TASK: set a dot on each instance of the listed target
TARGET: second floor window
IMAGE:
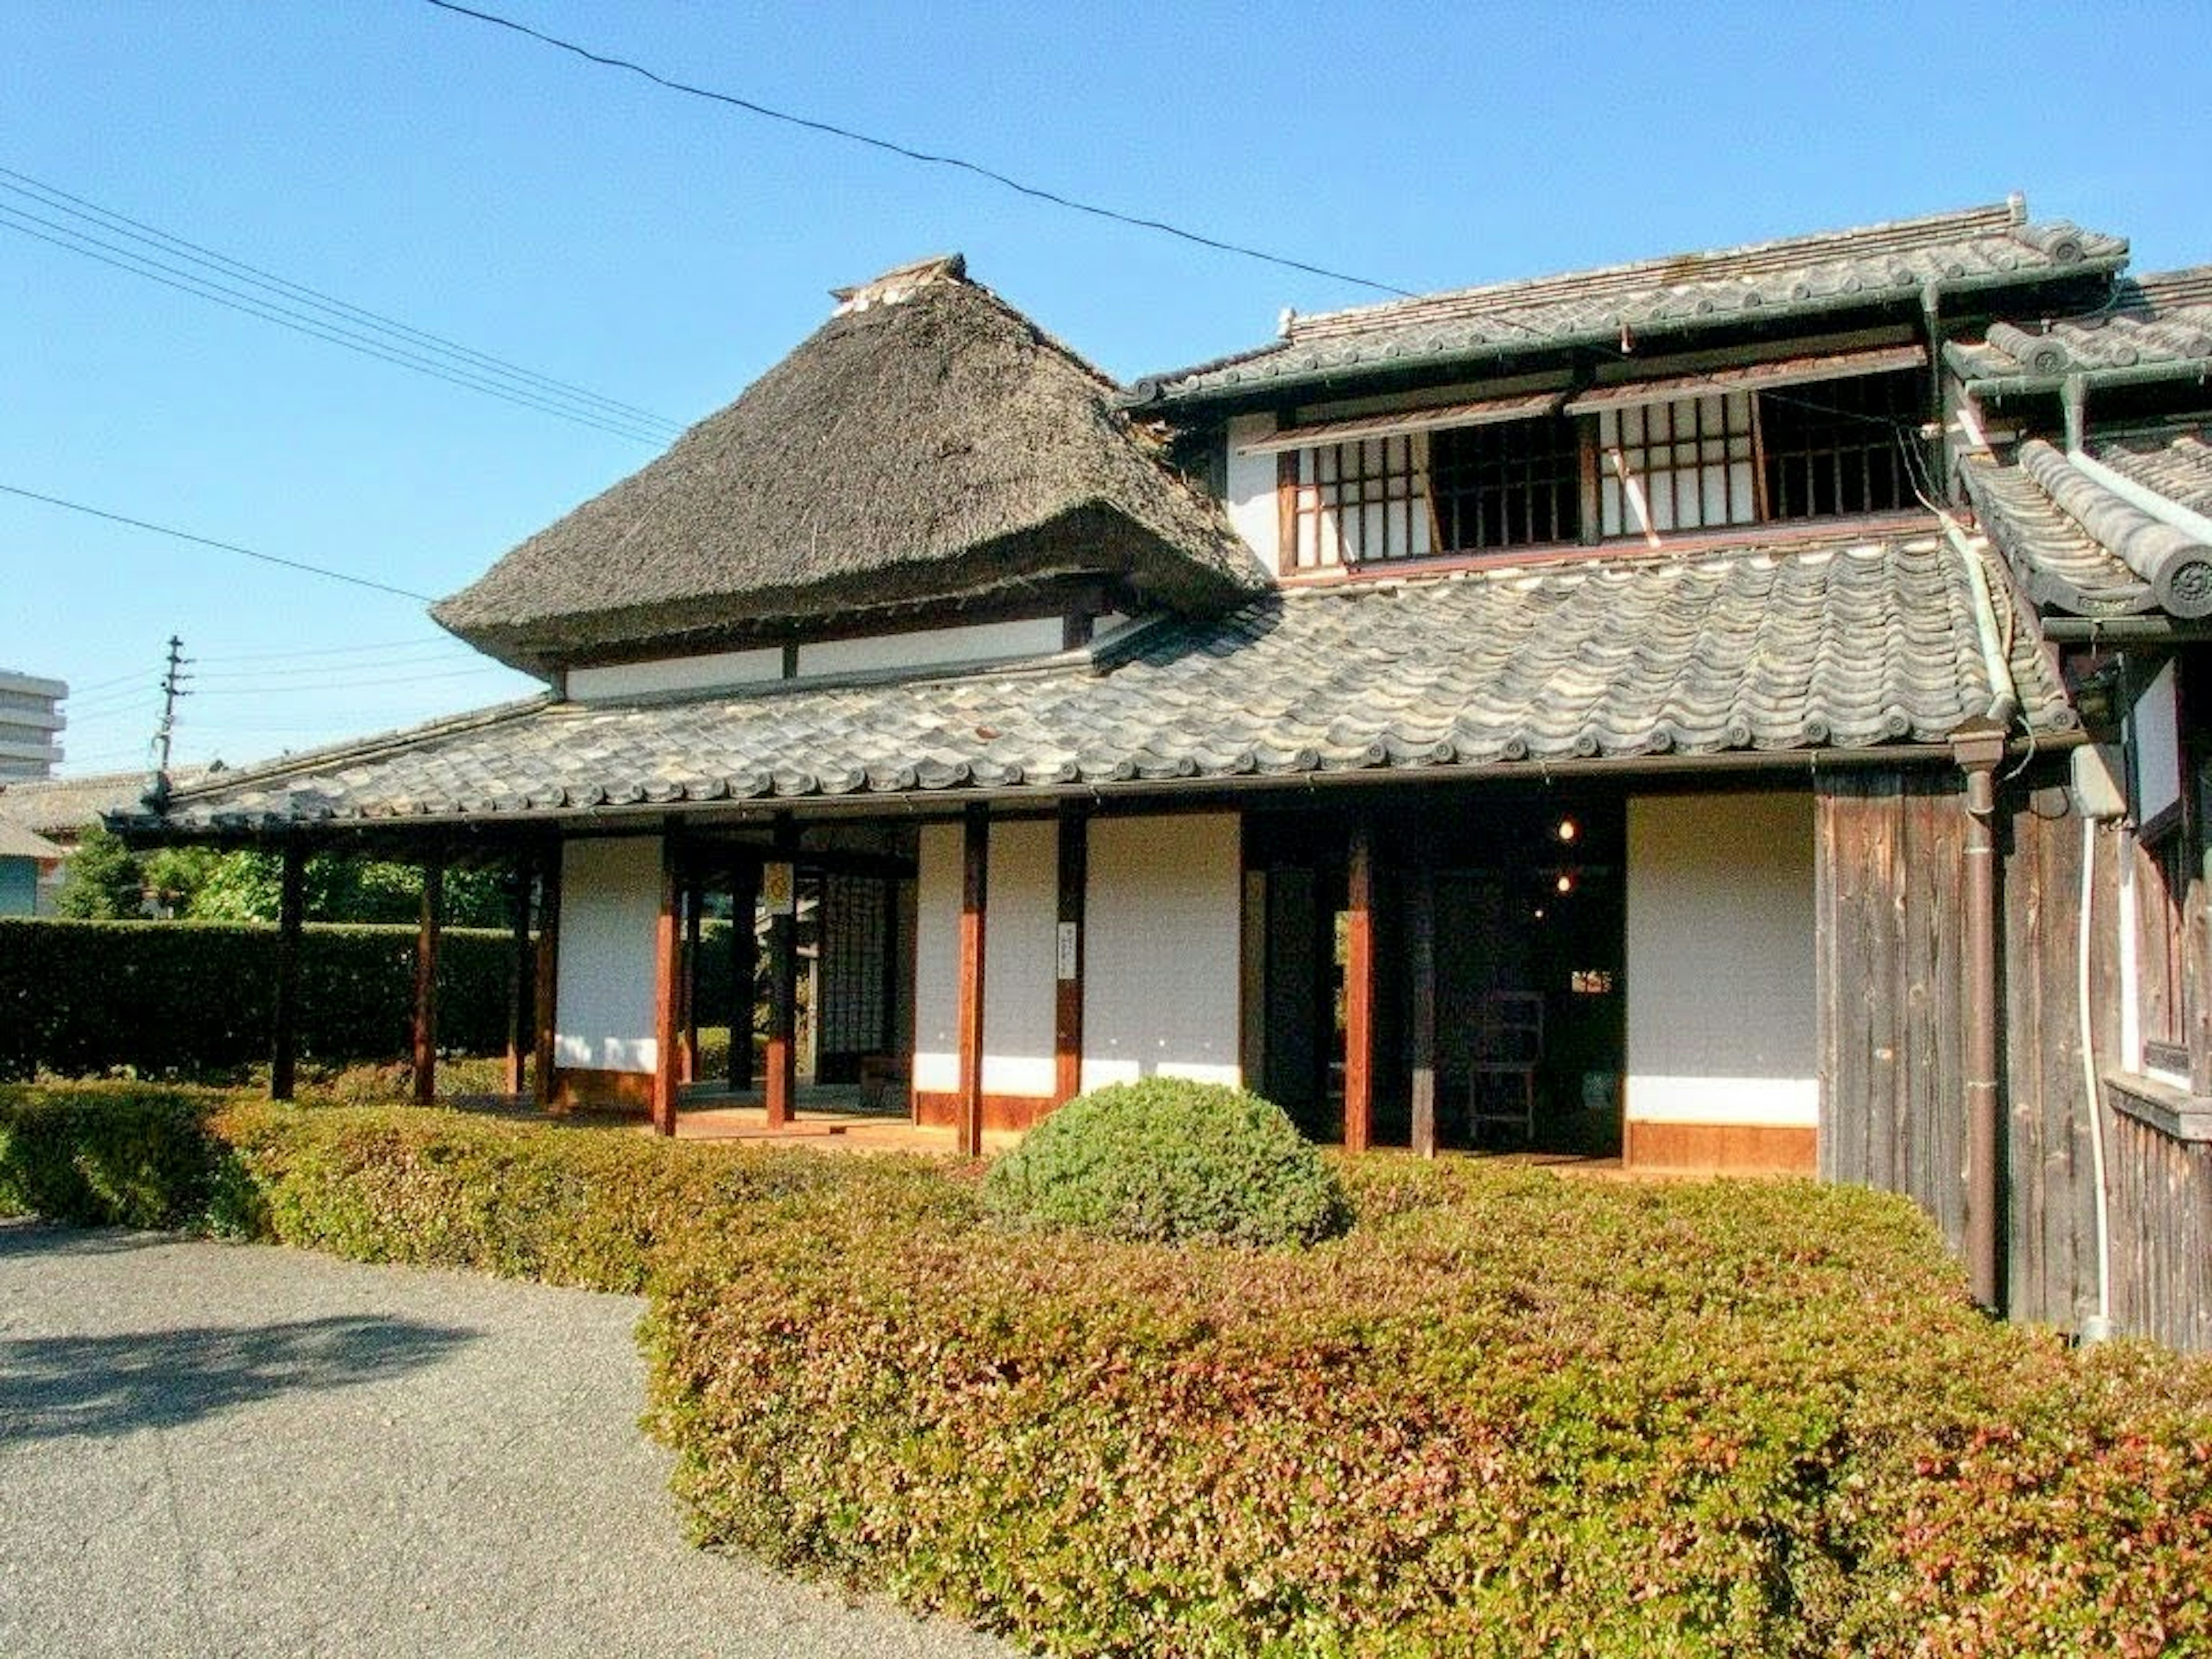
(1687, 465)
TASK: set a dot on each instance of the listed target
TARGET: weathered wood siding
(1889, 853)
(2052, 1196)
(1889, 863)
(2161, 1219)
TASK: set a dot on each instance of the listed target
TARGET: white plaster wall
(1037, 636)
(1721, 975)
(700, 673)
(609, 908)
(936, 961)
(1018, 988)
(1251, 489)
(1163, 909)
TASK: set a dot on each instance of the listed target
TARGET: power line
(215, 293)
(441, 641)
(208, 541)
(957, 163)
(79, 207)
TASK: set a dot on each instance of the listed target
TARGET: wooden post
(1359, 992)
(1067, 1005)
(744, 963)
(426, 980)
(284, 1036)
(1421, 954)
(974, 900)
(687, 983)
(525, 987)
(548, 979)
(780, 885)
(667, 991)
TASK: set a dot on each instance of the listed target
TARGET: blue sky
(663, 251)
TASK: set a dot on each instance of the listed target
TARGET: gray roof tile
(1754, 647)
(1974, 247)
(2077, 546)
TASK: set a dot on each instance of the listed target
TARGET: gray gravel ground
(213, 1448)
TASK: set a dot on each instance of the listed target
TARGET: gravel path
(228, 1449)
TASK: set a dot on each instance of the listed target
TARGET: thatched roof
(927, 447)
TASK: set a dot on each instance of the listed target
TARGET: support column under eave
(548, 979)
(284, 1033)
(744, 964)
(667, 992)
(1359, 992)
(780, 883)
(525, 985)
(687, 983)
(974, 900)
(1068, 998)
(1978, 751)
(1421, 962)
(426, 980)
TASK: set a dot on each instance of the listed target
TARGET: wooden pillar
(780, 886)
(426, 980)
(667, 991)
(1359, 992)
(549, 980)
(687, 983)
(975, 899)
(744, 963)
(1421, 964)
(1068, 1003)
(525, 987)
(284, 1034)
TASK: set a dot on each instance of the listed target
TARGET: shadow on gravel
(109, 1385)
(23, 1236)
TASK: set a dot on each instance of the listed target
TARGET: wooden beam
(1359, 992)
(1421, 962)
(667, 991)
(284, 1035)
(687, 983)
(974, 901)
(426, 981)
(525, 980)
(780, 885)
(1067, 972)
(744, 964)
(548, 979)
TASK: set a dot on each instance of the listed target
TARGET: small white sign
(778, 891)
(1067, 931)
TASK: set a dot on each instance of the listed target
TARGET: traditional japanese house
(1580, 714)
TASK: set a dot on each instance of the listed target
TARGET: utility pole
(172, 687)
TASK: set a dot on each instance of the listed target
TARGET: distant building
(30, 725)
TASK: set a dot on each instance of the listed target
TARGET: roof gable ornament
(901, 283)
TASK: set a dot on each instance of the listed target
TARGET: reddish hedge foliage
(1509, 1414)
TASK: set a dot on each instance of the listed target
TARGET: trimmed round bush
(1167, 1160)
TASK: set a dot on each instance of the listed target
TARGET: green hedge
(1167, 1159)
(1507, 1413)
(181, 999)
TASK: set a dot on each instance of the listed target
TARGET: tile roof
(2096, 539)
(1751, 647)
(62, 807)
(2178, 339)
(18, 842)
(1975, 248)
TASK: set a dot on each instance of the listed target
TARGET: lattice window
(1511, 484)
(1687, 465)
(1837, 446)
(1356, 503)
(857, 919)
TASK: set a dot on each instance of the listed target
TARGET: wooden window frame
(1807, 447)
